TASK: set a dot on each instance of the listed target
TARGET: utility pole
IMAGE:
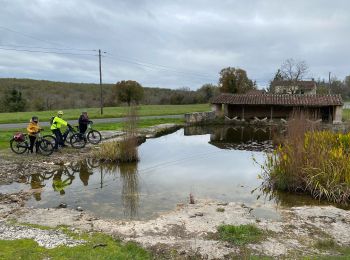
(329, 82)
(101, 97)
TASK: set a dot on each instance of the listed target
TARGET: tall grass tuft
(124, 150)
(312, 161)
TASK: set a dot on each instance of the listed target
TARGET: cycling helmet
(35, 119)
(60, 113)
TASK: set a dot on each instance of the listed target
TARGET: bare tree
(292, 70)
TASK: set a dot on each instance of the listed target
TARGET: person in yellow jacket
(33, 129)
(56, 125)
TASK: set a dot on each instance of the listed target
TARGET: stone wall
(199, 117)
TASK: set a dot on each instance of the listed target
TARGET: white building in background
(289, 87)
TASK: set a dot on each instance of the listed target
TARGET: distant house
(245, 107)
(304, 87)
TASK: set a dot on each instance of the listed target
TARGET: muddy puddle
(210, 163)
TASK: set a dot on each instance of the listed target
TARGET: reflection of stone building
(247, 138)
(290, 87)
(271, 106)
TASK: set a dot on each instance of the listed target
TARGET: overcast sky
(172, 43)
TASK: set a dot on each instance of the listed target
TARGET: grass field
(346, 114)
(109, 112)
(6, 134)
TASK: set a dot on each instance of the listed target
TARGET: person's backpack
(51, 120)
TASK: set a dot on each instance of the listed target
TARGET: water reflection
(211, 163)
(63, 177)
(248, 138)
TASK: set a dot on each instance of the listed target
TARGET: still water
(210, 163)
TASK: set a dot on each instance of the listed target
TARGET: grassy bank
(109, 112)
(6, 134)
(346, 114)
(109, 249)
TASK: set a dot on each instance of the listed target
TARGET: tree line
(37, 95)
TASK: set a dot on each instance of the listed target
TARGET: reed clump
(312, 161)
(125, 150)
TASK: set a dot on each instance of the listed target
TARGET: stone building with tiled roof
(303, 87)
(276, 106)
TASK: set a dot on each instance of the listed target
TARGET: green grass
(346, 114)
(6, 134)
(109, 112)
(239, 235)
(326, 244)
(111, 249)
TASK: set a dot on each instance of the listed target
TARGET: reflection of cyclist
(84, 173)
(58, 184)
(83, 122)
(35, 184)
(56, 125)
(33, 129)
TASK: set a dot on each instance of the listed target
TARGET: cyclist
(33, 129)
(56, 125)
(83, 122)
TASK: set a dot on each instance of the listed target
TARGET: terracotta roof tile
(276, 99)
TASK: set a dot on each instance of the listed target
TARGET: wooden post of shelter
(271, 113)
(243, 113)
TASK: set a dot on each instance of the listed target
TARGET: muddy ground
(189, 230)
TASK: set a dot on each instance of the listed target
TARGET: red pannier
(19, 137)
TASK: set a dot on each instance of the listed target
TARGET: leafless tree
(293, 71)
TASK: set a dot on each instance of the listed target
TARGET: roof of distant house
(305, 84)
(256, 92)
(279, 99)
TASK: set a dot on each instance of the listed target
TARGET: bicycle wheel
(93, 163)
(46, 147)
(18, 147)
(50, 138)
(69, 136)
(77, 141)
(94, 137)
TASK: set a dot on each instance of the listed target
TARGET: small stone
(199, 214)
(62, 205)
(80, 209)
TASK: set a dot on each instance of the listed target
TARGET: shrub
(126, 149)
(311, 161)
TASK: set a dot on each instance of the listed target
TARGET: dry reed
(124, 150)
(311, 161)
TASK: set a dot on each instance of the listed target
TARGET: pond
(217, 163)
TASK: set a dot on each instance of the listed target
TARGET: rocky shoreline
(189, 229)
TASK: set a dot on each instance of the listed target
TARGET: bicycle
(67, 135)
(92, 136)
(20, 144)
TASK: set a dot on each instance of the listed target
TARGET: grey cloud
(196, 39)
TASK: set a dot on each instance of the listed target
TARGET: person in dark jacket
(83, 122)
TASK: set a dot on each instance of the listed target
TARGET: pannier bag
(19, 137)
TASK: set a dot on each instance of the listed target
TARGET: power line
(53, 52)
(44, 48)
(159, 67)
(29, 36)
